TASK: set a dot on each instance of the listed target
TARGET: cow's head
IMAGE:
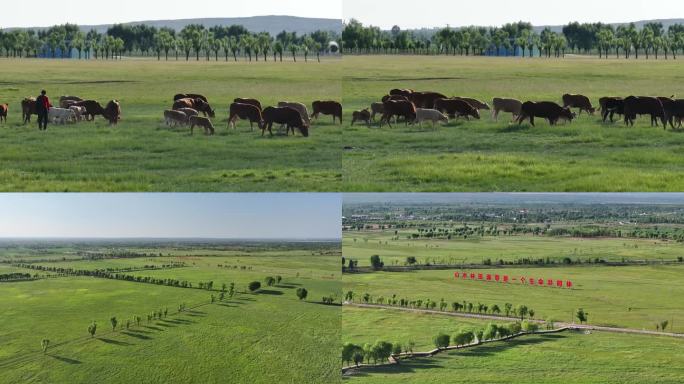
(566, 114)
(591, 110)
(211, 113)
(304, 129)
(475, 113)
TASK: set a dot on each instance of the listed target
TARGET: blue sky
(34, 13)
(244, 215)
(439, 13)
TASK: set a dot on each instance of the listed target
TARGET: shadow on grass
(408, 366)
(515, 128)
(196, 312)
(270, 292)
(246, 299)
(493, 348)
(65, 359)
(115, 342)
(228, 305)
(164, 325)
(178, 321)
(288, 286)
(155, 328)
(137, 336)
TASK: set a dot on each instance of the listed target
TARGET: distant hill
(271, 24)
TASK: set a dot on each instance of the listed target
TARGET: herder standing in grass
(42, 107)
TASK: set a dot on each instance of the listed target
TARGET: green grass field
(231, 340)
(362, 245)
(488, 156)
(568, 357)
(142, 154)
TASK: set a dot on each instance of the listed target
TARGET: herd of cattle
(72, 109)
(417, 107)
(187, 107)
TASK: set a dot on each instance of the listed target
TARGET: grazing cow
(284, 115)
(477, 104)
(578, 101)
(191, 96)
(189, 112)
(456, 108)
(301, 108)
(28, 108)
(93, 108)
(425, 99)
(402, 92)
(78, 111)
(112, 112)
(362, 115)
(68, 101)
(545, 109)
(377, 108)
(172, 117)
(327, 108)
(644, 105)
(394, 97)
(253, 102)
(201, 122)
(423, 114)
(399, 108)
(196, 104)
(674, 109)
(61, 115)
(611, 105)
(3, 112)
(245, 112)
(506, 105)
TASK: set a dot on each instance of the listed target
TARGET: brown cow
(327, 108)
(402, 108)
(201, 122)
(545, 109)
(28, 108)
(644, 105)
(578, 101)
(425, 99)
(506, 105)
(674, 109)
(611, 105)
(284, 115)
(3, 112)
(93, 108)
(394, 97)
(196, 104)
(245, 112)
(402, 92)
(112, 112)
(253, 102)
(68, 101)
(456, 108)
(376, 108)
(362, 115)
(477, 104)
(191, 96)
(189, 112)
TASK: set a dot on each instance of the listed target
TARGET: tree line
(227, 42)
(587, 38)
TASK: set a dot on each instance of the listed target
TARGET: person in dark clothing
(42, 107)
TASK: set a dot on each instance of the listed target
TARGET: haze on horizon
(440, 13)
(286, 216)
(45, 13)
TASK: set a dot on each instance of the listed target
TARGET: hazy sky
(258, 215)
(439, 13)
(34, 13)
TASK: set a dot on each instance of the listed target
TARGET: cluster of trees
(14, 276)
(241, 267)
(226, 41)
(587, 38)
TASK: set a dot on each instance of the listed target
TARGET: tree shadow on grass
(155, 328)
(115, 342)
(246, 299)
(270, 292)
(407, 366)
(493, 348)
(137, 336)
(228, 305)
(196, 312)
(288, 285)
(65, 359)
(164, 325)
(178, 321)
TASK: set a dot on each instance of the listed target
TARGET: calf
(245, 112)
(644, 105)
(327, 108)
(78, 111)
(456, 108)
(201, 122)
(28, 108)
(362, 115)
(301, 108)
(506, 105)
(399, 108)
(189, 112)
(3, 112)
(578, 101)
(174, 118)
(611, 105)
(376, 108)
(284, 115)
(545, 109)
(61, 115)
(433, 115)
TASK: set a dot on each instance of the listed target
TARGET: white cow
(299, 107)
(79, 112)
(423, 114)
(61, 115)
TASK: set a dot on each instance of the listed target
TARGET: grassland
(230, 340)
(142, 154)
(362, 245)
(560, 358)
(484, 155)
